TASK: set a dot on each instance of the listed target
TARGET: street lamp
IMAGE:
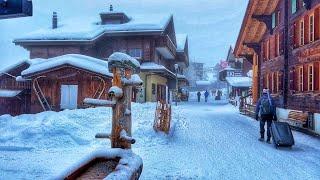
(176, 67)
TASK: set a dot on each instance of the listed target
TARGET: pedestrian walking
(199, 95)
(266, 110)
(206, 95)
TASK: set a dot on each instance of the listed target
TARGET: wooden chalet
(282, 40)
(151, 40)
(53, 84)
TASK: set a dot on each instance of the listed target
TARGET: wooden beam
(255, 46)
(266, 19)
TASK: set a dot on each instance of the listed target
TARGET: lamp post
(176, 67)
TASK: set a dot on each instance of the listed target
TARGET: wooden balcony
(166, 47)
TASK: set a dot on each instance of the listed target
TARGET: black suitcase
(281, 134)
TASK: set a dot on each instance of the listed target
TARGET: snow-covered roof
(6, 93)
(203, 83)
(154, 66)
(181, 41)
(77, 60)
(9, 68)
(77, 30)
(239, 81)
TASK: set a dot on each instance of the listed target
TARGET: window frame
(310, 77)
(133, 51)
(300, 79)
(301, 32)
(311, 28)
(294, 6)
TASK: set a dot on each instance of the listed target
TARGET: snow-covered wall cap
(128, 165)
(123, 60)
(84, 62)
(181, 41)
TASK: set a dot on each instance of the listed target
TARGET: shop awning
(239, 81)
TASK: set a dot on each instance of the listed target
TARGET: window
(310, 77)
(301, 42)
(268, 50)
(311, 28)
(272, 83)
(294, 6)
(277, 45)
(278, 81)
(273, 20)
(136, 53)
(278, 17)
(300, 87)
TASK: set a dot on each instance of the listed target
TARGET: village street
(208, 141)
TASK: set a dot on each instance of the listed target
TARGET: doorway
(69, 97)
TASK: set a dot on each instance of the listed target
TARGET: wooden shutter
(281, 42)
(306, 29)
(305, 77)
(316, 77)
(280, 82)
(317, 24)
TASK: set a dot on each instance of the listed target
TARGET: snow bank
(129, 163)
(123, 58)
(77, 60)
(9, 93)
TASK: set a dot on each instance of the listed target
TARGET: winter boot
(261, 139)
(268, 141)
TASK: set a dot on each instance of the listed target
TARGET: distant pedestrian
(206, 95)
(266, 109)
(199, 95)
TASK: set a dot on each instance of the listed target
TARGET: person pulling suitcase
(266, 109)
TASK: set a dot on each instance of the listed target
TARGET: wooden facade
(18, 104)
(156, 46)
(282, 38)
(89, 86)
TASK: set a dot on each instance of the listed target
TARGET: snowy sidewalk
(210, 141)
(215, 142)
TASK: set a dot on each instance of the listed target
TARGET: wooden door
(69, 97)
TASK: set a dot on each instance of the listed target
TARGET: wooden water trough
(118, 162)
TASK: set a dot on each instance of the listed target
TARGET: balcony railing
(166, 47)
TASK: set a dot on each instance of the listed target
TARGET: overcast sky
(212, 25)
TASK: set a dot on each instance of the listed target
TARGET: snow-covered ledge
(129, 166)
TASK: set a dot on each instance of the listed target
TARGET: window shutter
(281, 42)
(305, 77)
(316, 77)
(317, 24)
(306, 29)
(292, 81)
(280, 82)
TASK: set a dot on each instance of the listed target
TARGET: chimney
(54, 20)
(111, 8)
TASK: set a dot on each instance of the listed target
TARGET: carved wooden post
(122, 67)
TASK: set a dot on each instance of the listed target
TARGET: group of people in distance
(215, 93)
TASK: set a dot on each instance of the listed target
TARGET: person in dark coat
(266, 110)
(206, 95)
(199, 95)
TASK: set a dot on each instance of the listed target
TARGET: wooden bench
(296, 118)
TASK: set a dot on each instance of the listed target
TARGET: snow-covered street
(208, 141)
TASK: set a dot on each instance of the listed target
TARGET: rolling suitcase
(281, 134)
